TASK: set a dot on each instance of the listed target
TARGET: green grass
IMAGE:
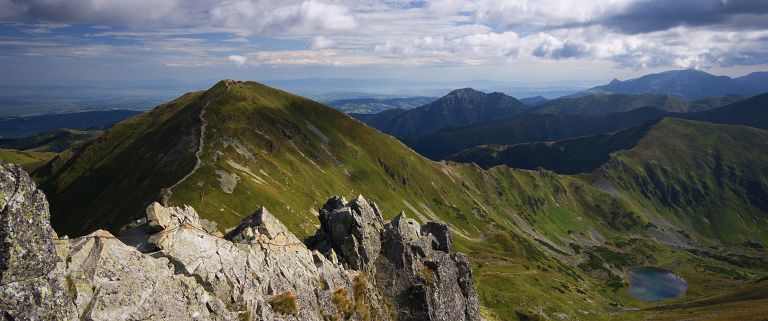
(29, 160)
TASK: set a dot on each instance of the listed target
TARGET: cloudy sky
(537, 41)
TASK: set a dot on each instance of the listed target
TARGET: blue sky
(525, 41)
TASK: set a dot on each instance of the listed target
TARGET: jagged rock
(109, 280)
(256, 262)
(262, 226)
(442, 234)
(420, 278)
(30, 285)
(352, 229)
(165, 218)
(410, 263)
(258, 271)
(161, 220)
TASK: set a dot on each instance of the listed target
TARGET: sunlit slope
(711, 177)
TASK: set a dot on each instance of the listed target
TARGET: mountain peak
(465, 92)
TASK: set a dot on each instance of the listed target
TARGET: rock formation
(411, 264)
(357, 267)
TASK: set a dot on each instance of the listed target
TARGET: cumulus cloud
(321, 42)
(630, 33)
(245, 16)
(238, 60)
(273, 17)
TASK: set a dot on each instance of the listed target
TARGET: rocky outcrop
(258, 271)
(31, 287)
(411, 263)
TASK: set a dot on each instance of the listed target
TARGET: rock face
(258, 271)
(411, 264)
(31, 287)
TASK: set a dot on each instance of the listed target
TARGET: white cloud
(321, 42)
(388, 32)
(238, 60)
(274, 17)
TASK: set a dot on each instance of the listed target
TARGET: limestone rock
(262, 226)
(30, 285)
(161, 218)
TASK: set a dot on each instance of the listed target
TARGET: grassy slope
(289, 154)
(29, 160)
(713, 177)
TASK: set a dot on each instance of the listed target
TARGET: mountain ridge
(686, 84)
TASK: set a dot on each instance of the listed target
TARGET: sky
(518, 41)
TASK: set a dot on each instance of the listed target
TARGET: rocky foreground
(357, 267)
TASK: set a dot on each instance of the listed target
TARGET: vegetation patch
(285, 303)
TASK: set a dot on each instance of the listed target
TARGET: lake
(651, 284)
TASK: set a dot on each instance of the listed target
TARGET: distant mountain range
(460, 107)
(687, 84)
(526, 128)
(377, 105)
(90, 120)
(593, 105)
(587, 153)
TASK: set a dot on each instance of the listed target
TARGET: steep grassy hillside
(460, 107)
(541, 244)
(711, 177)
(594, 105)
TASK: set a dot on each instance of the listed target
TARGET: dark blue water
(649, 284)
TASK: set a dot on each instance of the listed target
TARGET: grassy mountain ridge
(540, 243)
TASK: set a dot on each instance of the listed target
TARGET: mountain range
(459, 107)
(18, 127)
(688, 84)
(377, 105)
(562, 241)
